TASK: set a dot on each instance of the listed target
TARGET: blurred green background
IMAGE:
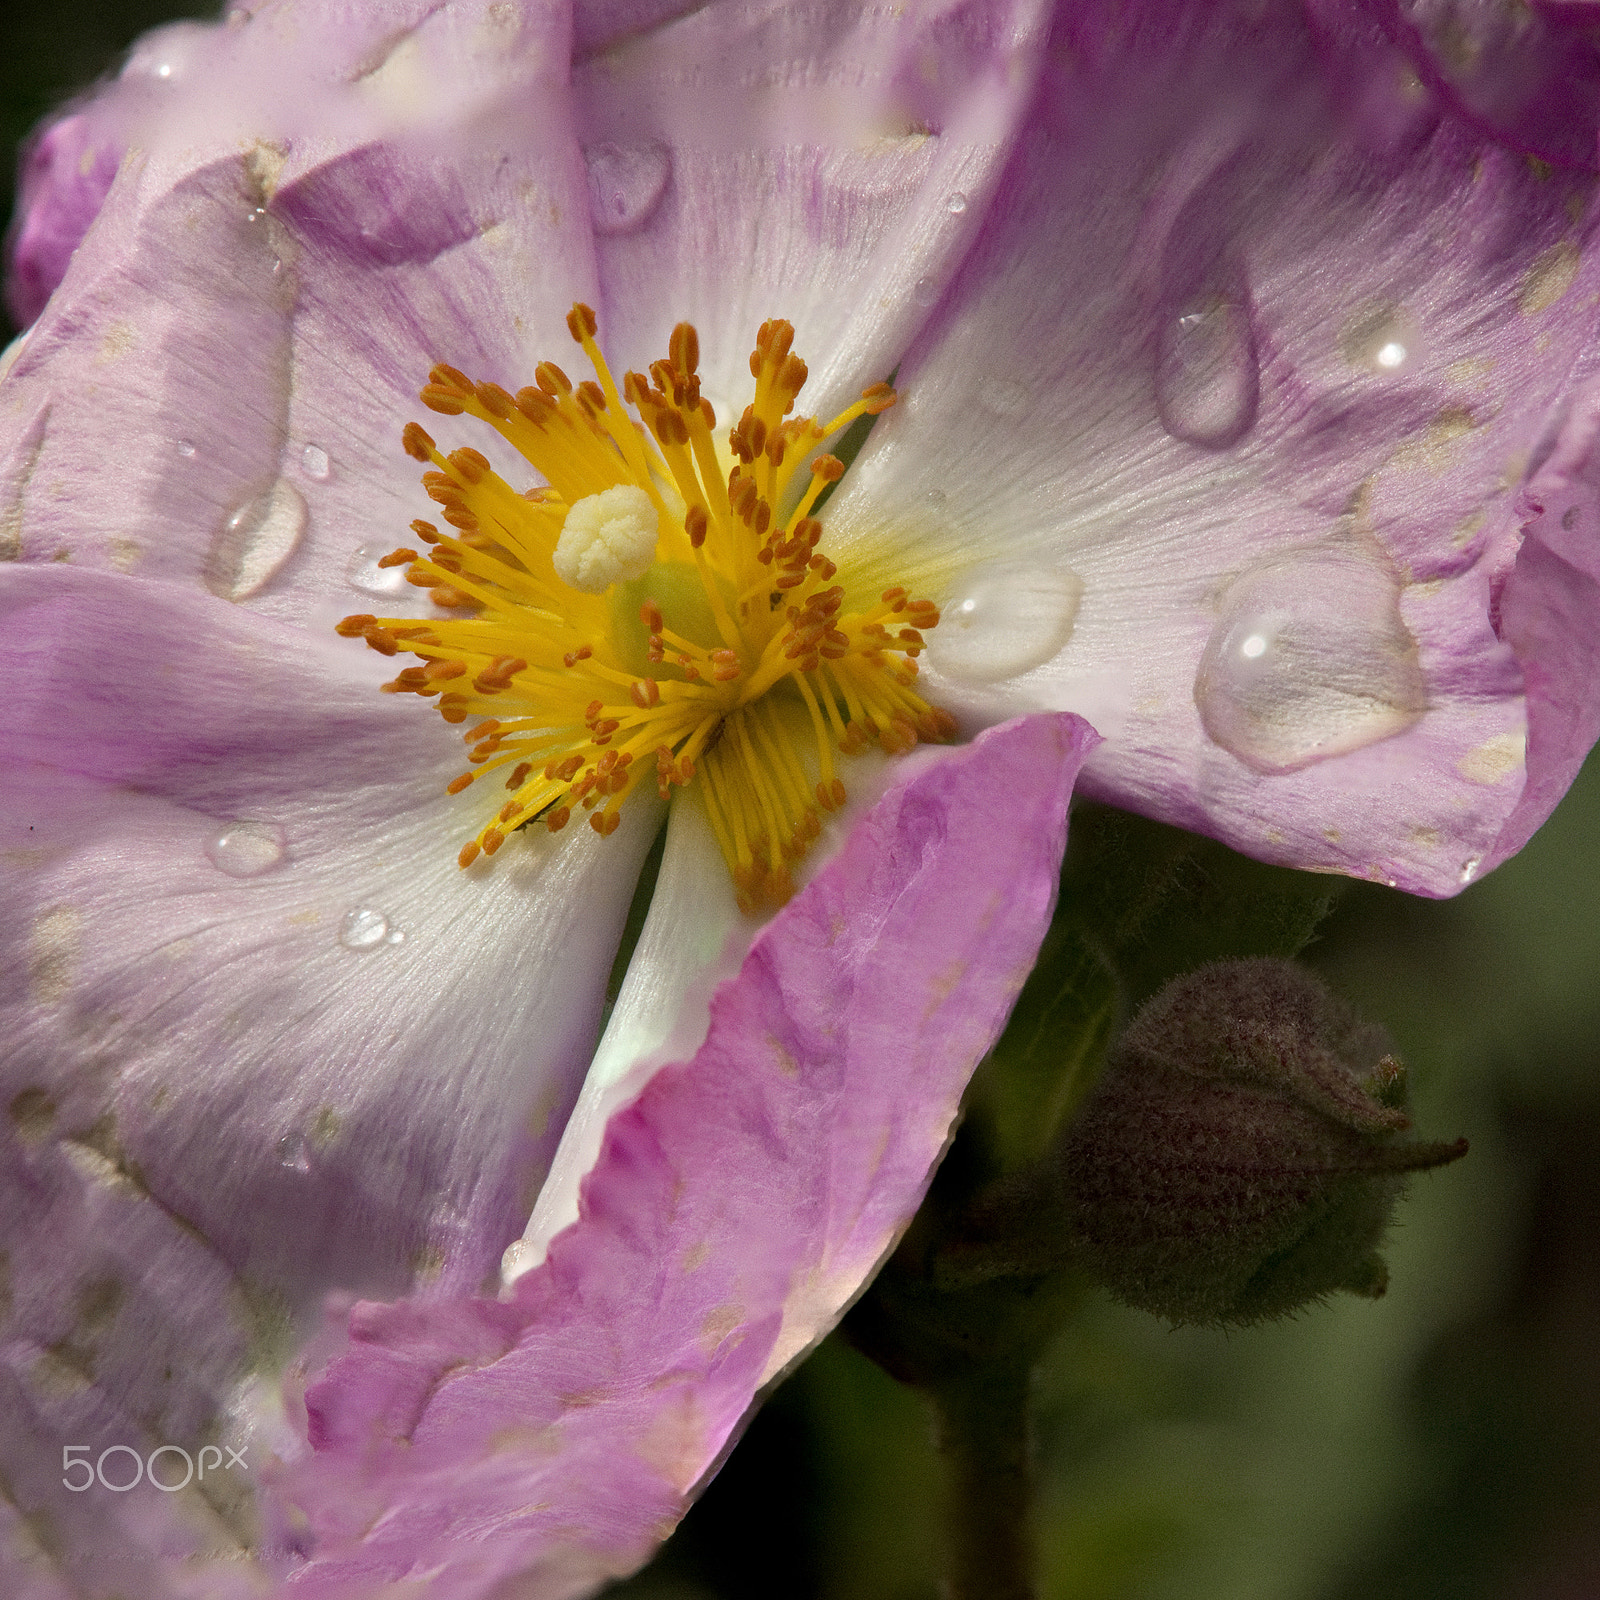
(1439, 1443)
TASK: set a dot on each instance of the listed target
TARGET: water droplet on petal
(254, 541)
(315, 461)
(1380, 338)
(294, 1153)
(363, 929)
(626, 182)
(1309, 659)
(925, 291)
(1469, 868)
(1208, 379)
(956, 204)
(1003, 397)
(246, 849)
(395, 936)
(166, 54)
(363, 572)
(185, 447)
(515, 1260)
(1004, 622)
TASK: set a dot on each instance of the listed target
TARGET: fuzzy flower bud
(1238, 1158)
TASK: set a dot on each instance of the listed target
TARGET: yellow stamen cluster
(727, 663)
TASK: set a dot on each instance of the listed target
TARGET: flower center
(660, 613)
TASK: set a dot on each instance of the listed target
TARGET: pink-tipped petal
(736, 1207)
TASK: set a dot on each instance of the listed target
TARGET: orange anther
(879, 398)
(695, 524)
(456, 785)
(492, 840)
(829, 468)
(397, 558)
(557, 819)
(581, 323)
(551, 379)
(425, 531)
(441, 400)
(495, 400)
(469, 854)
(472, 464)
(650, 616)
(645, 692)
(520, 776)
(418, 444)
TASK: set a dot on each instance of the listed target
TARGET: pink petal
(1391, 315)
(737, 1206)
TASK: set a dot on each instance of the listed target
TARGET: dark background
(1440, 1443)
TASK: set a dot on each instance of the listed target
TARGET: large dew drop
(1003, 622)
(254, 541)
(246, 849)
(626, 182)
(1208, 379)
(1308, 659)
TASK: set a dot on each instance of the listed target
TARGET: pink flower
(1244, 410)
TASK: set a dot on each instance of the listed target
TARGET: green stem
(985, 1439)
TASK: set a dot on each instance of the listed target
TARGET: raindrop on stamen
(1005, 622)
(1309, 658)
(246, 849)
(363, 929)
(315, 461)
(1208, 380)
(626, 183)
(255, 541)
(294, 1153)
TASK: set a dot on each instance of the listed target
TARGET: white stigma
(607, 538)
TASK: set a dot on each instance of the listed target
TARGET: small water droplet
(255, 214)
(255, 541)
(185, 447)
(395, 936)
(1308, 659)
(1003, 397)
(363, 572)
(1380, 338)
(956, 204)
(925, 291)
(1208, 379)
(1469, 868)
(1005, 621)
(315, 461)
(246, 849)
(514, 1260)
(363, 929)
(167, 53)
(626, 182)
(935, 496)
(294, 1153)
